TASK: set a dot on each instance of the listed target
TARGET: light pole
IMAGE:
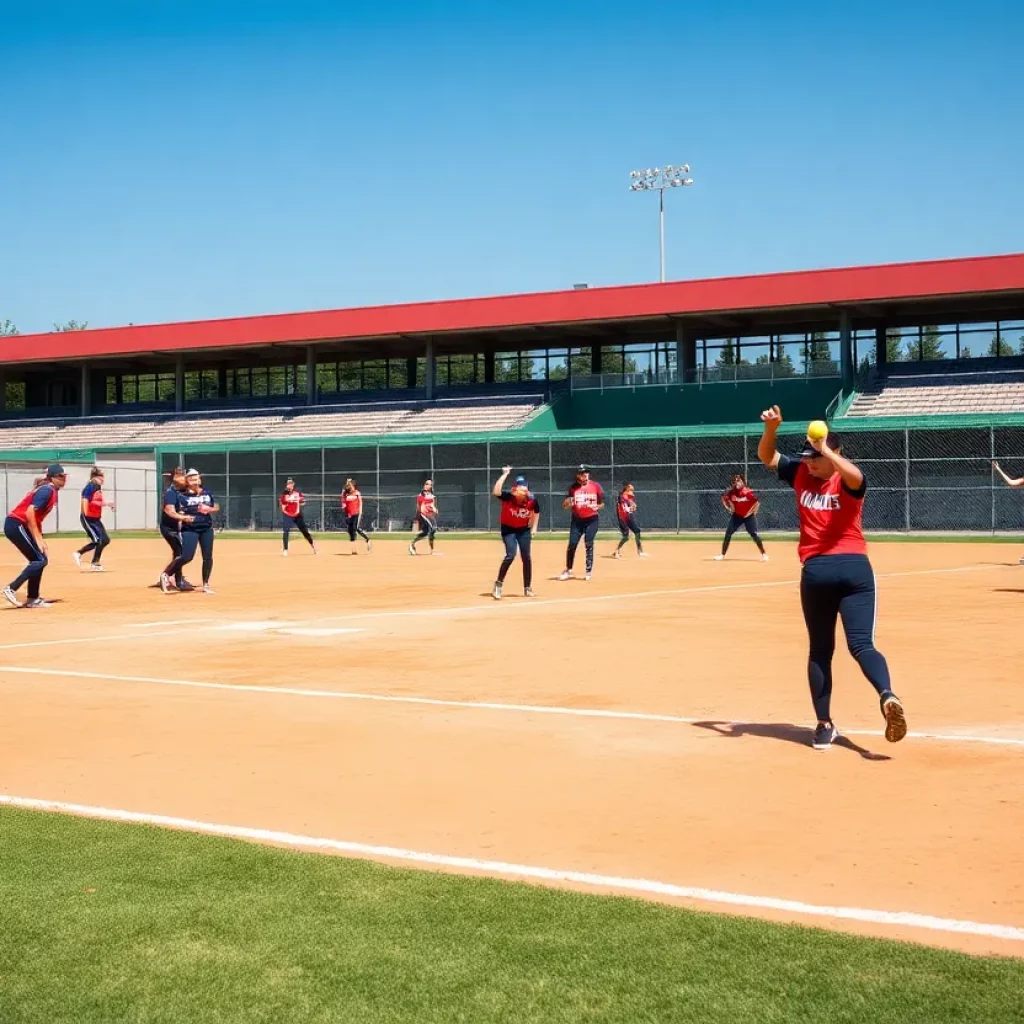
(658, 179)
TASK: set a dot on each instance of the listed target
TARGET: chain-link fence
(938, 479)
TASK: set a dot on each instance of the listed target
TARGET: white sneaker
(369, 546)
(617, 555)
(284, 554)
(496, 592)
(566, 574)
(643, 554)
(412, 550)
(719, 558)
(38, 602)
(12, 597)
(97, 568)
(165, 583)
(207, 589)
(764, 558)
(587, 577)
(77, 558)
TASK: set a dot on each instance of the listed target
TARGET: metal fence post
(611, 457)
(551, 488)
(487, 520)
(906, 480)
(992, 473)
(677, 484)
(377, 484)
(323, 489)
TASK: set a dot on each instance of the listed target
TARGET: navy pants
(749, 523)
(428, 529)
(517, 539)
(832, 587)
(626, 527)
(98, 538)
(172, 535)
(191, 541)
(21, 537)
(296, 523)
(352, 524)
(585, 530)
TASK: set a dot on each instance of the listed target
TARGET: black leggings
(627, 526)
(296, 523)
(21, 537)
(428, 529)
(172, 535)
(517, 539)
(354, 527)
(190, 541)
(749, 523)
(98, 538)
(585, 530)
(833, 586)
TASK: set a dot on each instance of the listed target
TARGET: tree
(7, 329)
(1000, 345)
(893, 345)
(727, 355)
(782, 364)
(72, 325)
(931, 344)
(819, 350)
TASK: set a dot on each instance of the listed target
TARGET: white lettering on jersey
(519, 511)
(819, 502)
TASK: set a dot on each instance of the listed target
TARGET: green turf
(103, 922)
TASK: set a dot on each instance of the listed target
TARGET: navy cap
(55, 470)
(520, 481)
(808, 451)
(583, 469)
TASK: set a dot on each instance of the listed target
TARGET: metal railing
(728, 373)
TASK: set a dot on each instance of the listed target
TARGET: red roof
(975, 276)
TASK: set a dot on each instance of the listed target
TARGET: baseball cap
(808, 451)
(520, 481)
(55, 470)
(582, 469)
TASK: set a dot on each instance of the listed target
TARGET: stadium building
(920, 366)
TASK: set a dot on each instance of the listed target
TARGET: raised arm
(767, 451)
(500, 483)
(1010, 482)
(851, 474)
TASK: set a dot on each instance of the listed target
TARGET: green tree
(931, 344)
(819, 350)
(7, 329)
(72, 325)
(1000, 345)
(727, 354)
(782, 364)
(893, 345)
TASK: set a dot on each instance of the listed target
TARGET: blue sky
(181, 160)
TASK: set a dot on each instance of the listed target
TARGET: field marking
(492, 605)
(901, 919)
(472, 705)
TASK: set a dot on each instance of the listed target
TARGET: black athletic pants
(428, 529)
(98, 538)
(353, 524)
(191, 540)
(840, 586)
(627, 526)
(172, 535)
(21, 537)
(585, 530)
(517, 539)
(749, 523)
(296, 523)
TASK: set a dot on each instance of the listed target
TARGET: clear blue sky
(177, 160)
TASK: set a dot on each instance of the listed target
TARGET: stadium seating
(505, 412)
(941, 393)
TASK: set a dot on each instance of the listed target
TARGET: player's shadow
(1008, 590)
(788, 733)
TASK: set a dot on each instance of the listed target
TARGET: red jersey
(743, 500)
(352, 502)
(93, 495)
(830, 513)
(291, 503)
(626, 506)
(42, 499)
(584, 499)
(426, 504)
(517, 514)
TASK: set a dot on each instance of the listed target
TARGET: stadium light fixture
(658, 179)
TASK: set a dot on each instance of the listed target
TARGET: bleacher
(444, 415)
(931, 391)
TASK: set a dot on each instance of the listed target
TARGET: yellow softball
(817, 429)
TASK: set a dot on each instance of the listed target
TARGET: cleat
(895, 719)
(643, 554)
(38, 602)
(166, 584)
(764, 558)
(528, 592)
(207, 589)
(97, 568)
(284, 554)
(369, 546)
(496, 592)
(617, 555)
(77, 559)
(12, 597)
(185, 587)
(825, 734)
(719, 558)
(587, 577)
(566, 574)
(412, 550)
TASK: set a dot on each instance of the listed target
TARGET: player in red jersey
(520, 514)
(426, 517)
(91, 518)
(837, 580)
(23, 527)
(742, 503)
(292, 503)
(625, 508)
(1010, 482)
(585, 500)
(352, 506)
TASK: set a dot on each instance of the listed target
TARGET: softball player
(23, 527)
(585, 499)
(520, 514)
(194, 510)
(170, 530)
(92, 520)
(837, 580)
(1010, 482)
(352, 505)
(742, 504)
(625, 509)
(426, 517)
(292, 502)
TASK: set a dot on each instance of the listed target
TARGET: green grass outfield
(103, 922)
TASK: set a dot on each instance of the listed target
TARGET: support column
(410, 372)
(222, 382)
(846, 366)
(686, 355)
(3, 393)
(431, 369)
(881, 348)
(179, 383)
(488, 367)
(84, 394)
(595, 359)
(312, 389)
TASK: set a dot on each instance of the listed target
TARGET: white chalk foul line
(474, 705)
(903, 919)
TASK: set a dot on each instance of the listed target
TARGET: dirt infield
(710, 785)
